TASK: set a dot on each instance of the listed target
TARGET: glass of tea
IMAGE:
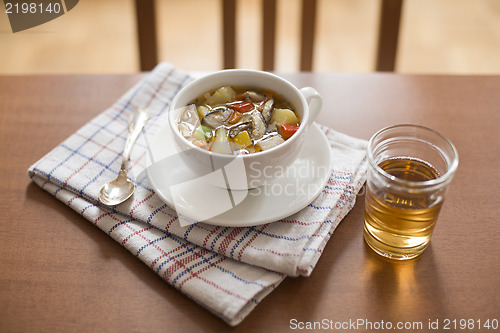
(410, 168)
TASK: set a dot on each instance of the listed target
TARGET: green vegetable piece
(203, 133)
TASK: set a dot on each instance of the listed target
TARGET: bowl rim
(304, 122)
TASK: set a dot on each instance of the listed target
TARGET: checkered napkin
(228, 270)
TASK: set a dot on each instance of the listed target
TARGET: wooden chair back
(388, 34)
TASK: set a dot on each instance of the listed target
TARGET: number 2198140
(32, 8)
(470, 324)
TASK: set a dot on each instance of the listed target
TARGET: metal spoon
(120, 189)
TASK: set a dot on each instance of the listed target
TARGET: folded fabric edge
(309, 259)
(245, 310)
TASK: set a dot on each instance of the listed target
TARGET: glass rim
(427, 183)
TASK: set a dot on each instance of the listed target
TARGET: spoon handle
(136, 124)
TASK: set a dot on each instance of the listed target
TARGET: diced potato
(202, 111)
(243, 139)
(221, 135)
(269, 142)
(221, 142)
(221, 96)
(283, 116)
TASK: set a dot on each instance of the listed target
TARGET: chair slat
(308, 30)
(388, 34)
(268, 34)
(146, 33)
(229, 33)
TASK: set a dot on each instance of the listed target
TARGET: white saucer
(296, 187)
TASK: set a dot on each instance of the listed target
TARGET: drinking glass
(410, 169)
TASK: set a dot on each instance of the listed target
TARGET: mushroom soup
(238, 120)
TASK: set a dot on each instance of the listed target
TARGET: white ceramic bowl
(251, 170)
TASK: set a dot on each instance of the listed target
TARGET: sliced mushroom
(217, 117)
(225, 112)
(235, 130)
(258, 125)
(212, 119)
(267, 110)
(271, 128)
(254, 97)
(245, 117)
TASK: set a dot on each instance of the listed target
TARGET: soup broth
(238, 120)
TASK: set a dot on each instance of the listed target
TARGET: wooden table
(59, 273)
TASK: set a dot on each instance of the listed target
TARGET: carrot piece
(234, 117)
(241, 106)
(287, 130)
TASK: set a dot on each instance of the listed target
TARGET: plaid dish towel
(228, 270)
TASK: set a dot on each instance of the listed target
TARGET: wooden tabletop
(59, 273)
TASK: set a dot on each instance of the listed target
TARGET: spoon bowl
(117, 191)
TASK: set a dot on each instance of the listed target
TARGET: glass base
(391, 252)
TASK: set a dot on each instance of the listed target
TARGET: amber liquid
(399, 224)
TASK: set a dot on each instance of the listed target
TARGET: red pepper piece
(287, 130)
(241, 106)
